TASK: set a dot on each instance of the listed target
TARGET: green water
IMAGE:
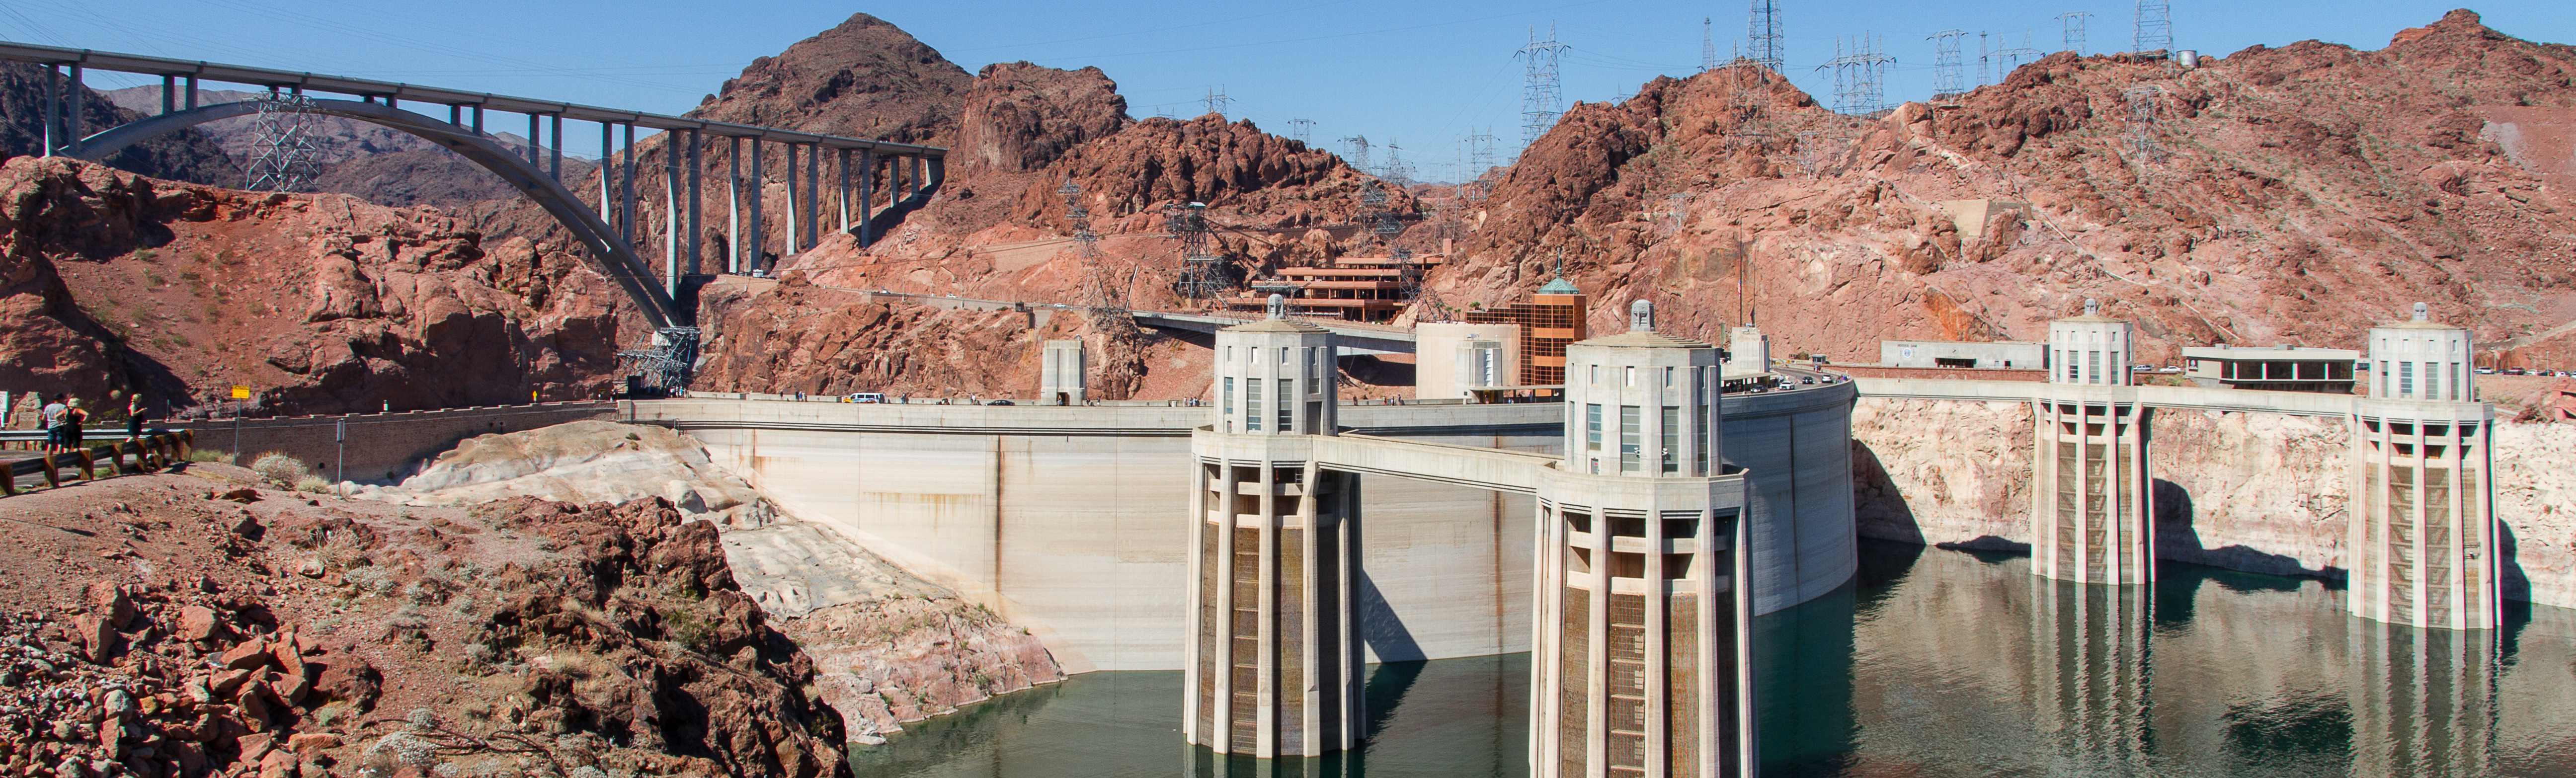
(1932, 663)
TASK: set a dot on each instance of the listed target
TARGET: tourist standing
(134, 416)
(73, 417)
(52, 419)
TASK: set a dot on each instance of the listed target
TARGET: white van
(867, 397)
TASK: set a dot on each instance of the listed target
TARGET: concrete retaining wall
(381, 446)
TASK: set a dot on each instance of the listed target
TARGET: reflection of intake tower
(1642, 621)
(2090, 522)
(2421, 535)
(1274, 663)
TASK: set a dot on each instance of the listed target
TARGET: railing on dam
(2174, 397)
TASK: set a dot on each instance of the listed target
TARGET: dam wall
(2245, 480)
(1071, 520)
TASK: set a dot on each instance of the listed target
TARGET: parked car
(2481, 371)
(1806, 379)
(2515, 371)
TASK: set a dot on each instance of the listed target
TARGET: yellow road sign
(241, 393)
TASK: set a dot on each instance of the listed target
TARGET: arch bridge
(892, 181)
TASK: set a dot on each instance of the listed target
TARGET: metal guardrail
(147, 453)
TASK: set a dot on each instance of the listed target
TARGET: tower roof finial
(2092, 307)
(1641, 316)
(2423, 312)
(1278, 306)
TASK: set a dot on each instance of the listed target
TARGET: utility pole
(1542, 100)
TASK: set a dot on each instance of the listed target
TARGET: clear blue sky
(1422, 73)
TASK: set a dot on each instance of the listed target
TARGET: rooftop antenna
(1542, 101)
(1303, 130)
(1763, 33)
(1946, 81)
(2074, 21)
(2154, 26)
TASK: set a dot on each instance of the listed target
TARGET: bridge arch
(618, 259)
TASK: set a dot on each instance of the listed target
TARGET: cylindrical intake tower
(1274, 663)
(2091, 517)
(1642, 624)
(2422, 535)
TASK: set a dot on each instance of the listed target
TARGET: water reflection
(1933, 663)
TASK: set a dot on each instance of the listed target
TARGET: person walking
(52, 419)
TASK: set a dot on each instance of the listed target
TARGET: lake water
(1932, 663)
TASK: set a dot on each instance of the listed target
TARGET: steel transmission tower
(2154, 30)
(2074, 22)
(1542, 100)
(1763, 34)
(1303, 130)
(1217, 102)
(1860, 74)
(1480, 160)
(2141, 135)
(283, 157)
(1104, 298)
(1202, 279)
(1707, 44)
(1398, 171)
(2012, 58)
(1355, 152)
(1946, 75)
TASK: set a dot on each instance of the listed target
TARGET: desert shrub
(313, 484)
(209, 455)
(279, 469)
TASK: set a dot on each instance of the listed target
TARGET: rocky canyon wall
(2257, 492)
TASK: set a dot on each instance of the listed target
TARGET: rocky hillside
(2294, 195)
(188, 155)
(320, 303)
(200, 623)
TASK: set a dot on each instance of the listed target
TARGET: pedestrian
(73, 417)
(52, 419)
(134, 416)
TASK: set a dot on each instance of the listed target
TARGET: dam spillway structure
(1274, 665)
(1642, 620)
(2422, 537)
(2091, 521)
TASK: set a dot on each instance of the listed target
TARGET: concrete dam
(1069, 520)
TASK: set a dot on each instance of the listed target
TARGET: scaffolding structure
(1203, 277)
(1762, 32)
(283, 158)
(2074, 23)
(1947, 80)
(1542, 99)
(2153, 30)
